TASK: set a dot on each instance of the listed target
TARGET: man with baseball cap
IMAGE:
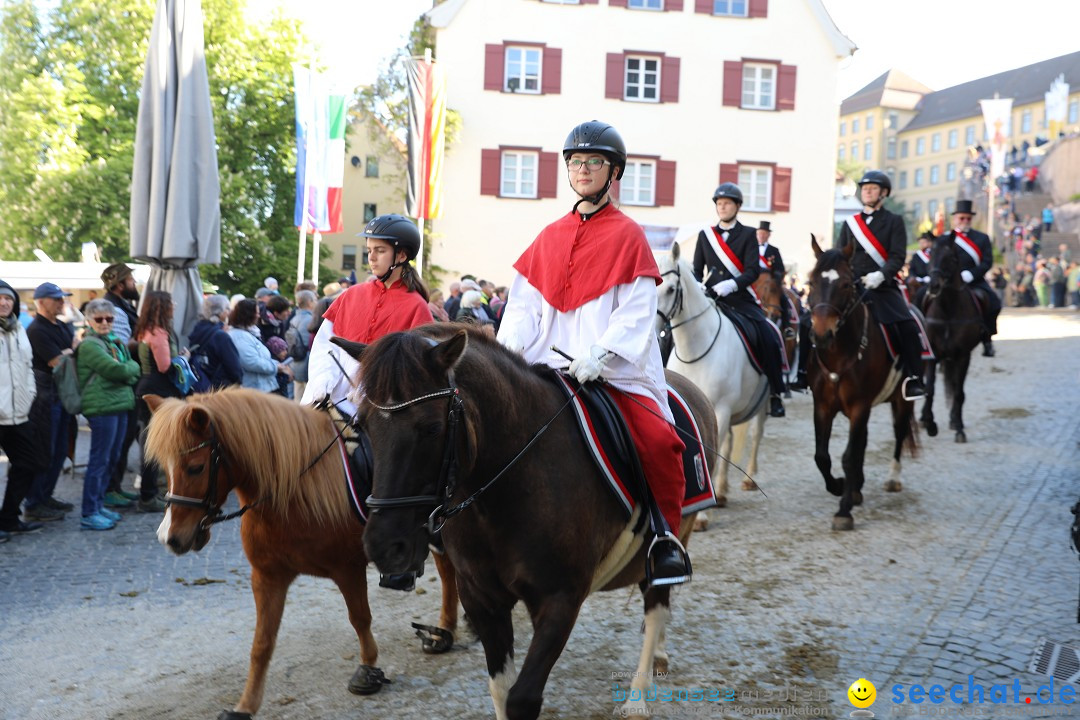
(50, 339)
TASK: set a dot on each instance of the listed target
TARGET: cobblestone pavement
(956, 576)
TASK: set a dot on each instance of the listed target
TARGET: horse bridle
(209, 503)
(676, 307)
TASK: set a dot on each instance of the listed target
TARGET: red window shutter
(703, 6)
(665, 182)
(548, 181)
(617, 3)
(493, 67)
(729, 172)
(673, 5)
(785, 88)
(669, 80)
(490, 171)
(552, 81)
(613, 86)
(758, 8)
(781, 189)
(732, 83)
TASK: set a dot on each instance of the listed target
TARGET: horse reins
(676, 307)
(864, 341)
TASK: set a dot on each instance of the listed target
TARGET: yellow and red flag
(426, 139)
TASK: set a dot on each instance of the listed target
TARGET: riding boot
(667, 562)
(776, 407)
(911, 359)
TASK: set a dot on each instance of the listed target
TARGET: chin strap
(593, 199)
(404, 271)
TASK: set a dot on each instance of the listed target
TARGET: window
(370, 212)
(638, 184)
(348, 257)
(931, 208)
(759, 86)
(890, 148)
(736, 8)
(954, 138)
(645, 4)
(1025, 121)
(950, 204)
(1074, 111)
(950, 172)
(969, 135)
(756, 184)
(918, 177)
(935, 142)
(854, 125)
(903, 179)
(522, 72)
(935, 174)
(868, 150)
(869, 121)
(916, 211)
(642, 79)
(843, 129)
(855, 151)
(841, 153)
(371, 166)
(920, 146)
(894, 121)
(518, 178)
(903, 148)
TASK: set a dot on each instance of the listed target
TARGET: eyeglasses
(591, 163)
(104, 319)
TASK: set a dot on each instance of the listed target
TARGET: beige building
(740, 102)
(926, 156)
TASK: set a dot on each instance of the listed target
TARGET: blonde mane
(273, 439)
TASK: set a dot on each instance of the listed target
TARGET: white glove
(874, 279)
(967, 276)
(588, 367)
(924, 279)
(726, 287)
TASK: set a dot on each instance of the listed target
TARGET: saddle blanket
(924, 339)
(608, 439)
(747, 331)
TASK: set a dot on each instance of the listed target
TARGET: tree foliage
(69, 95)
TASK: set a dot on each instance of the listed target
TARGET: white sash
(969, 247)
(727, 257)
(866, 238)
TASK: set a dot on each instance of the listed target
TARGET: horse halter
(676, 308)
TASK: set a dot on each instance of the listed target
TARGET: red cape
(573, 261)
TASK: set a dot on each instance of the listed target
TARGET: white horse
(709, 352)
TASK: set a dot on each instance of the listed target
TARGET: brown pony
(460, 424)
(849, 371)
(282, 461)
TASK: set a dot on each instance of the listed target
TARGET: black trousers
(19, 445)
(772, 351)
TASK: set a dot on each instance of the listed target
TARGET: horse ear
(848, 250)
(448, 353)
(199, 420)
(355, 349)
(675, 251)
(815, 246)
(153, 402)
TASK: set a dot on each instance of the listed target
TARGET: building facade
(737, 103)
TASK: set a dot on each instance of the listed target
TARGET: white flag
(997, 114)
(1057, 105)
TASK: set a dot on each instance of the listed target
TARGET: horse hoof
(660, 665)
(721, 501)
(961, 436)
(367, 680)
(701, 525)
(434, 640)
(843, 523)
(931, 429)
(749, 485)
(856, 498)
(893, 486)
(234, 715)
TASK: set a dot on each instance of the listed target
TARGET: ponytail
(413, 282)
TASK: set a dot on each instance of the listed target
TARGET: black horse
(850, 371)
(954, 326)
(447, 410)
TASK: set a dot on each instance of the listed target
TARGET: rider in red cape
(587, 285)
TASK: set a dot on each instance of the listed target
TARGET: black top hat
(964, 206)
(928, 235)
(764, 225)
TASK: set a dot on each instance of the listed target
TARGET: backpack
(65, 376)
(185, 378)
(298, 350)
(200, 367)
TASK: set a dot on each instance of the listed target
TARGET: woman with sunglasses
(107, 375)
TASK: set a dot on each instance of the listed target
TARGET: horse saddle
(748, 332)
(892, 339)
(607, 436)
(354, 449)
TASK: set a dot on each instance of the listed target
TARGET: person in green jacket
(107, 376)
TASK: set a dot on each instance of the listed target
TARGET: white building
(702, 91)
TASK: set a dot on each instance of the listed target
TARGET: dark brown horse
(954, 326)
(769, 292)
(448, 410)
(849, 372)
(282, 461)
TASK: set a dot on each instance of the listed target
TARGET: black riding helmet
(728, 190)
(876, 177)
(598, 137)
(399, 231)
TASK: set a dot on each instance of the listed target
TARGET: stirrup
(904, 390)
(683, 576)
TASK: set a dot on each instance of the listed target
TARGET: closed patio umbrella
(175, 203)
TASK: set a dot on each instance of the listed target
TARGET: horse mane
(272, 438)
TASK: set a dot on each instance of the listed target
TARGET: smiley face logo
(862, 693)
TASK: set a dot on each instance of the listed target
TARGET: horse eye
(671, 289)
(432, 429)
(195, 469)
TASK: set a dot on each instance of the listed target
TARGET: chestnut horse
(769, 292)
(954, 326)
(460, 424)
(850, 371)
(282, 461)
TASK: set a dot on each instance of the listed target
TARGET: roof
(892, 89)
(1024, 85)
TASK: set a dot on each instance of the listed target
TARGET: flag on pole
(320, 152)
(997, 114)
(426, 140)
(1057, 105)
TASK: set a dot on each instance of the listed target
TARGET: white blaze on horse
(709, 352)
